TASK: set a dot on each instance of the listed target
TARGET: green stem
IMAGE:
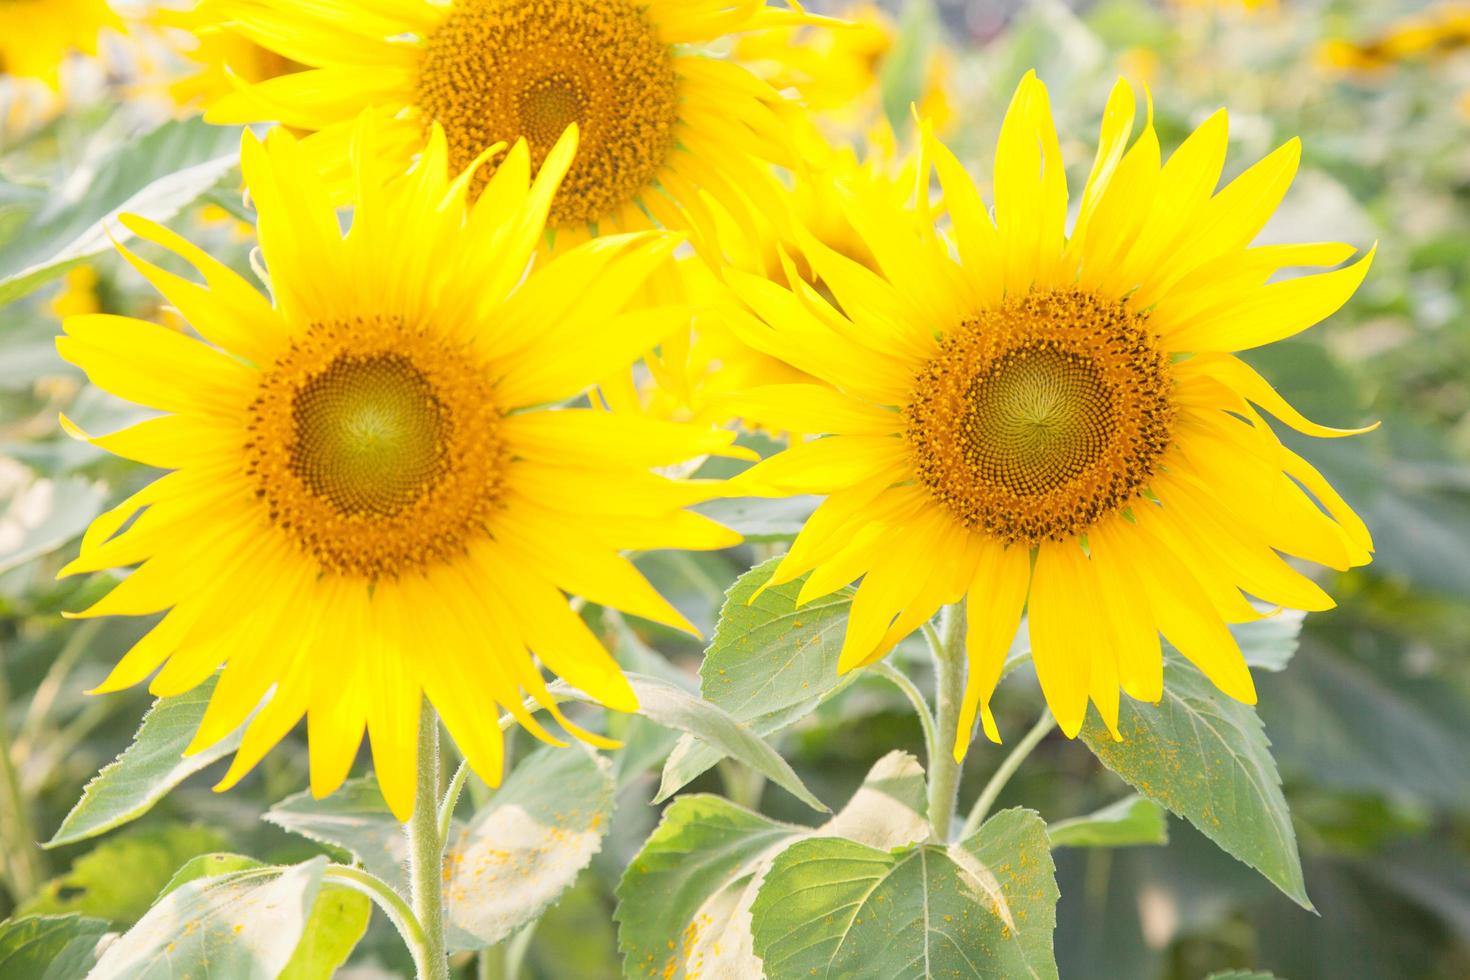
(24, 862)
(900, 680)
(949, 694)
(1007, 769)
(54, 682)
(451, 800)
(388, 900)
(426, 854)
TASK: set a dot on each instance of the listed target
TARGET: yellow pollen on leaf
(1042, 415)
(376, 446)
(501, 70)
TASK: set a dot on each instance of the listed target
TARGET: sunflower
(695, 374)
(661, 122)
(37, 35)
(372, 496)
(1057, 424)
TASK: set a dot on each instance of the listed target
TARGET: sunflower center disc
(371, 435)
(503, 70)
(1042, 415)
(376, 447)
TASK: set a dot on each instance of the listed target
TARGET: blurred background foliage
(1369, 723)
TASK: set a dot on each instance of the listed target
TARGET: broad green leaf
(210, 866)
(1206, 758)
(1241, 975)
(693, 882)
(45, 516)
(1270, 643)
(354, 818)
(244, 925)
(983, 908)
(1130, 821)
(119, 879)
(769, 665)
(687, 880)
(671, 707)
(338, 921)
(759, 519)
(678, 709)
(519, 853)
(48, 947)
(155, 763)
(155, 176)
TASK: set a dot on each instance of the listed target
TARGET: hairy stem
(1007, 769)
(949, 694)
(426, 854)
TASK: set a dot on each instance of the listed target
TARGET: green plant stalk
(426, 854)
(949, 694)
(1007, 769)
(901, 681)
(24, 862)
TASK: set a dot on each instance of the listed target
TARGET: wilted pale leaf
(527, 846)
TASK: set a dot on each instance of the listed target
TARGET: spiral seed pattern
(376, 447)
(500, 70)
(1041, 416)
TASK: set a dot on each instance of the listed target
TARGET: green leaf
(354, 818)
(119, 879)
(1270, 643)
(155, 763)
(762, 520)
(1206, 758)
(48, 947)
(687, 880)
(209, 866)
(693, 882)
(519, 853)
(769, 665)
(155, 176)
(45, 516)
(662, 702)
(245, 924)
(338, 921)
(1132, 820)
(1241, 975)
(985, 907)
(673, 708)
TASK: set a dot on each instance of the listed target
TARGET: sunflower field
(568, 489)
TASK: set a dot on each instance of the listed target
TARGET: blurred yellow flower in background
(36, 36)
(366, 505)
(662, 122)
(78, 293)
(1426, 36)
(1034, 420)
(219, 60)
(839, 71)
